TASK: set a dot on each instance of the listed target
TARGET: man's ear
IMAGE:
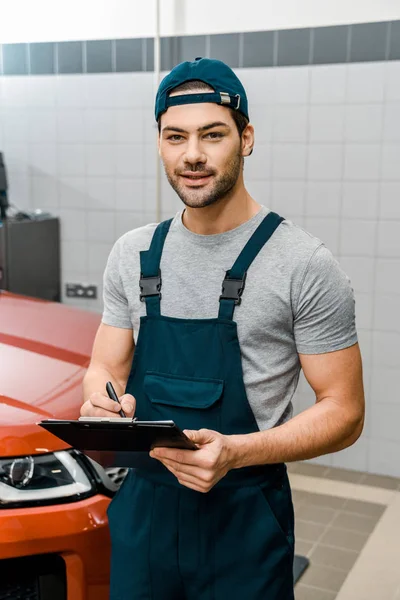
(248, 140)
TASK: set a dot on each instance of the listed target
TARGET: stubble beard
(199, 198)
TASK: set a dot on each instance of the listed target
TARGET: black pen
(111, 393)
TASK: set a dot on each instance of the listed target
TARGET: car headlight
(44, 479)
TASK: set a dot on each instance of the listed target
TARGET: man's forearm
(95, 381)
(321, 429)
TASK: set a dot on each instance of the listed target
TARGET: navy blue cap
(227, 87)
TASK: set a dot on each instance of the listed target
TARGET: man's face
(201, 150)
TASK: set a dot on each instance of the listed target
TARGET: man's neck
(220, 217)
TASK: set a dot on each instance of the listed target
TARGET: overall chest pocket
(192, 402)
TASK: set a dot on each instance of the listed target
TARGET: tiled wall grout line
(84, 57)
(144, 54)
(241, 49)
(348, 46)
(275, 54)
(114, 56)
(28, 58)
(208, 46)
(388, 40)
(311, 50)
(56, 61)
(375, 257)
(307, 141)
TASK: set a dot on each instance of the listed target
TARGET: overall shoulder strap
(234, 282)
(150, 272)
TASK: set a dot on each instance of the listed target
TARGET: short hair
(196, 85)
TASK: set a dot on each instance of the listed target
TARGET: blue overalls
(170, 542)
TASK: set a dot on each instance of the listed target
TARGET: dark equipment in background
(3, 188)
(29, 250)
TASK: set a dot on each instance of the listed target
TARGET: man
(222, 362)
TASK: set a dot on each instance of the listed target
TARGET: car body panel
(45, 349)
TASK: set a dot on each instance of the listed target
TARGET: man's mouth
(196, 178)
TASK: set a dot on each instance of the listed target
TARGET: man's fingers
(99, 400)
(88, 410)
(100, 405)
(187, 480)
(194, 473)
(128, 404)
(187, 457)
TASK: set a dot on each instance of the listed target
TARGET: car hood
(45, 349)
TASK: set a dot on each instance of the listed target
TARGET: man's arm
(111, 360)
(333, 423)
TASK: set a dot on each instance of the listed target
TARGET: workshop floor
(348, 525)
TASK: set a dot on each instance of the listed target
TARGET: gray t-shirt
(297, 299)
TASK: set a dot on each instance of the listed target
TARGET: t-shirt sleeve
(325, 316)
(116, 308)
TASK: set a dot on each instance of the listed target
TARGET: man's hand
(100, 405)
(199, 469)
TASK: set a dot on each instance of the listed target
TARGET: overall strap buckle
(150, 286)
(232, 289)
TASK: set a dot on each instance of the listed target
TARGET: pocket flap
(185, 392)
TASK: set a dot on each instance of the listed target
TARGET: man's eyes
(213, 135)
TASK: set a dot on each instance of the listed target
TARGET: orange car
(54, 539)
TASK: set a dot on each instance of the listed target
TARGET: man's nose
(194, 153)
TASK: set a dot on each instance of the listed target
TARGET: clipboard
(119, 442)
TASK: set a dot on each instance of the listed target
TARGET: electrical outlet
(78, 290)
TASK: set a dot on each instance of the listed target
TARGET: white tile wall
(129, 194)
(383, 457)
(327, 156)
(362, 162)
(19, 190)
(387, 275)
(328, 84)
(73, 224)
(100, 193)
(259, 85)
(326, 229)
(259, 165)
(392, 80)
(390, 162)
(360, 270)
(72, 192)
(386, 311)
(70, 125)
(71, 160)
(289, 197)
(15, 125)
(289, 161)
(365, 82)
(262, 117)
(325, 162)
(363, 122)
(360, 199)
(326, 123)
(290, 123)
(291, 85)
(357, 237)
(42, 125)
(323, 198)
(391, 130)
